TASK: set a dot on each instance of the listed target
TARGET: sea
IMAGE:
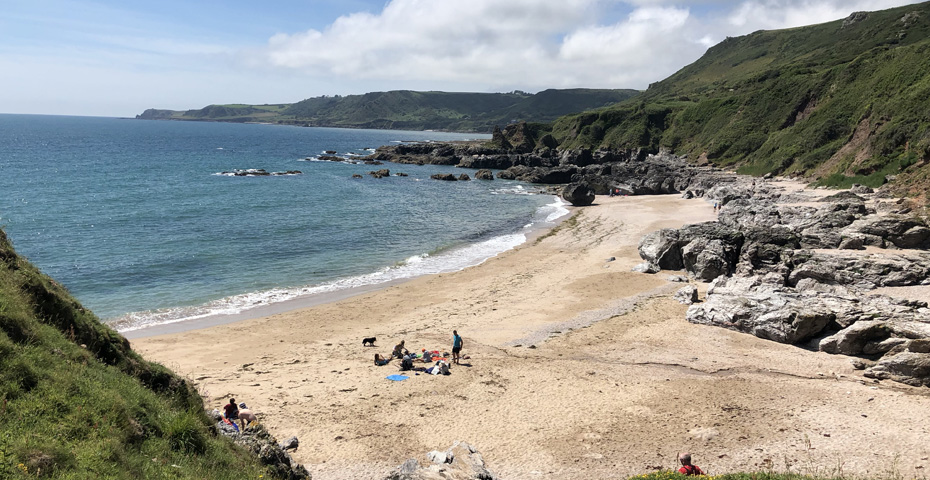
(146, 222)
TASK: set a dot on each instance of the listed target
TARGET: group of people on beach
(400, 352)
(241, 412)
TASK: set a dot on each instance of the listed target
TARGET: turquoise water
(135, 218)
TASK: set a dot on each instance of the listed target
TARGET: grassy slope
(405, 109)
(789, 101)
(98, 411)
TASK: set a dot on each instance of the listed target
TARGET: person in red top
(686, 467)
(231, 410)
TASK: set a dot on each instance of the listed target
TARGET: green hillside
(76, 402)
(842, 102)
(405, 109)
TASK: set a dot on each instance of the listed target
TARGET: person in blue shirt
(456, 346)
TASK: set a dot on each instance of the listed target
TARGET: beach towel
(397, 378)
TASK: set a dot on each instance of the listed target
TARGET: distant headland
(409, 110)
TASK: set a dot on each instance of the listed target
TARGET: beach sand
(578, 368)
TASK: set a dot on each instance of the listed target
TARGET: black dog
(368, 341)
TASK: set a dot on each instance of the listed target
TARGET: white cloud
(529, 44)
(489, 44)
(774, 14)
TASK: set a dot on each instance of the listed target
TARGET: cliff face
(78, 402)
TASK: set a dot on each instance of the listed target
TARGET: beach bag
(443, 368)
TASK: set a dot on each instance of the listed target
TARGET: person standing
(456, 346)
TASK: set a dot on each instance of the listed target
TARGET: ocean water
(138, 221)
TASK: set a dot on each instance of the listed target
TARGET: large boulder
(687, 295)
(766, 311)
(661, 248)
(484, 174)
(907, 367)
(578, 194)
(899, 230)
(460, 462)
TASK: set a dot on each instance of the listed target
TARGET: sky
(119, 57)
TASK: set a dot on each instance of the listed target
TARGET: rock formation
(257, 440)
(578, 194)
(460, 462)
(784, 269)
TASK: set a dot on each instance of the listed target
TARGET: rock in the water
(464, 177)
(578, 194)
(448, 177)
(484, 174)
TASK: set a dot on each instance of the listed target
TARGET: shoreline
(615, 383)
(532, 232)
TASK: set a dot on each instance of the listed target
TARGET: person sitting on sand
(686, 467)
(456, 346)
(246, 417)
(231, 410)
(381, 361)
(399, 350)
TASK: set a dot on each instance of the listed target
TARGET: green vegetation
(674, 475)
(404, 109)
(77, 402)
(842, 102)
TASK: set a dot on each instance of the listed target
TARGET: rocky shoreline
(795, 268)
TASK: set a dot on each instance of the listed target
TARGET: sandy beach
(578, 368)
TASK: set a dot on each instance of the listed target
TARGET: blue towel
(397, 378)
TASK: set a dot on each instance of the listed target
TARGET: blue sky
(117, 58)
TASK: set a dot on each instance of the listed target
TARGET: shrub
(185, 433)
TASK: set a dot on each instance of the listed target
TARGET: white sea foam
(445, 261)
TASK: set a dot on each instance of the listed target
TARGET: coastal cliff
(409, 110)
(836, 104)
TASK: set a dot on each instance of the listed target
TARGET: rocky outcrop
(632, 172)
(787, 269)
(484, 174)
(579, 195)
(257, 440)
(895, 331)
(257, 172)
(380, 173)
(460, 462)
